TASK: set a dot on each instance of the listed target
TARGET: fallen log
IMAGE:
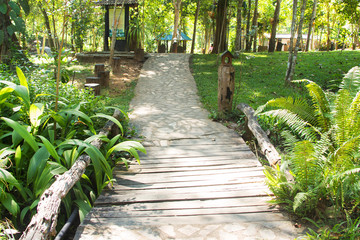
(266, 146)
(43, 223)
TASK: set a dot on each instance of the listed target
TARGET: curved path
(199, 180)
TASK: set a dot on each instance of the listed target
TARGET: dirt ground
(130, 71)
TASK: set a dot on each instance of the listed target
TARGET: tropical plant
(32, 152)
(323, 141)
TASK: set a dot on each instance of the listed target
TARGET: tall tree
(312, 19)
(177, 6)
(253, 38)
(247, 38)
(113, 37)
(195, 24)
(274, 24)
(294, 51)
(238, 26)
(220, 31)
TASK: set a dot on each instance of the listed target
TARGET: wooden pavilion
(122, 41)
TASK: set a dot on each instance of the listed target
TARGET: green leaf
(14, 7)
(23, 94)
(51, 148)
(78, 114)
(23, 214)
(42, 181)
(37, 164)
(3, 8)
(22, 78)
(10, 204)
(56, 168)
(36, 110)
(25, 6)
(18, 163)
(111, 118)
(84, 208)
(2, 36)
(21, 130)
(10, 29)
(19, 24)
(5, 93)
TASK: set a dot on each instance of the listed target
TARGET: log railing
(266, 146)
(43, 223)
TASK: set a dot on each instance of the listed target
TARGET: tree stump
(95, 87)
(99, 68)
(116, 66)
(139, 55)
(92, 80)
(104, 78)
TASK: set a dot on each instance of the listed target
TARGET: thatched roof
(112, 2)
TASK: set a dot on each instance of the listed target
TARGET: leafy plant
(323, 139)
(32, 152)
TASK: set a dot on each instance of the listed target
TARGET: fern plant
(323, 140)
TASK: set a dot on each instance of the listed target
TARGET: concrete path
(199, 180)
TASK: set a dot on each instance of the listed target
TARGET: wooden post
(226, 83)
(116, 65)
(95, 87)
(99, 68)
(104, 78)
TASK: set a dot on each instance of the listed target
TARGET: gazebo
(122, 41)
(163, 42)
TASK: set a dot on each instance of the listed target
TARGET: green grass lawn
(260, 77)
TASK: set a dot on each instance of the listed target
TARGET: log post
(266, 146)
(116, 65)
(43, 223)
(99, 68)
(104, 78)
(226, 83)
(95, 87)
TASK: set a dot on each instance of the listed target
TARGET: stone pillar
(226, 83)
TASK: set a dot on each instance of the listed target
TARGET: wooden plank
(153, 164)
(203, 219)
(181, 212)
(111, 196)
(192, 172)
(157, 178)
(132, 184)
(192, 204)
(194, 189)
(194, 169)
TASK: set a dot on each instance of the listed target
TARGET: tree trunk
(238, 26)
(248, 43)
(254, 26)
(275, 22)
(220, 36)
(312, 19)
(290, 72)
(5, 45)
(288, 78)
(113, 37)
(328, 26)
(177, 6)
(195, 23)
(47, 25)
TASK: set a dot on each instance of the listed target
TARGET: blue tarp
(168, 37)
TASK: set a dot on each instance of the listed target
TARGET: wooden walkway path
(199, 180)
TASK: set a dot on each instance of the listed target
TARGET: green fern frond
(341, 116)
(351, 81)
(295, 123)
(354, 114)
(304, 165)
(344, 155)
(299, 107)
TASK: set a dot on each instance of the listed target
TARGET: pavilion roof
(168, 37)
(112, 2)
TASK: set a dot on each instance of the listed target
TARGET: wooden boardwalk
(199, 180)
(196, 182)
